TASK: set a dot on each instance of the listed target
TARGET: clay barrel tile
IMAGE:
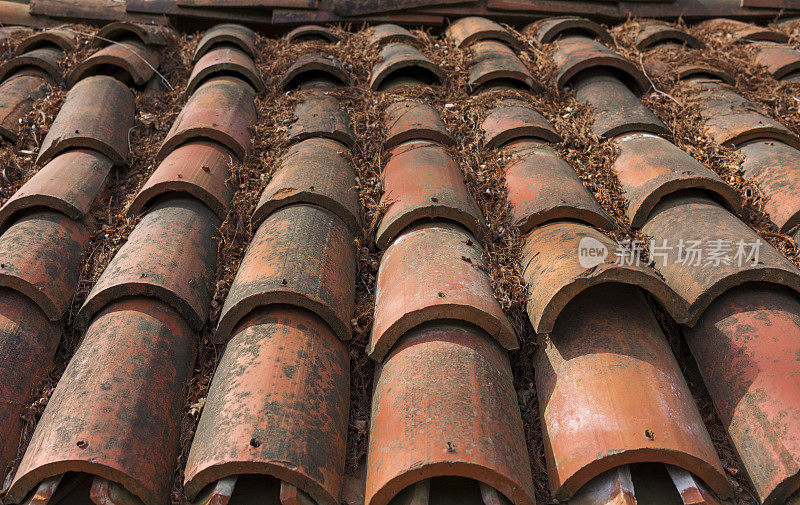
(18, 93)
(69, 183)
(28, 342)
(149, 35)
(700, 70)
(387, 33)
(120, 422)
(40, 256)
(553, 28)
(277, 407)
(467, 31)
(432, 272)
(731, 120)
(170, 255)
(227, 60)
(200, 168)
(98, 114)
(411, 119)
(655, 34)
(746, 346)
(312, 32)
(138, 63)
(301, 255)
(222, 109)
(576, 54)
(779, 60)
(235, 34)
(514, 120)
(563, 258)
(316, 172)
(320, 115)
(543, 187)
(445, 416)
(775, 168)
(421, 181)
(398, 59)
(63, 39)
(734, 253)
(606, 357)
(313, 65)
(741, 31)
(650, 168)
(44, 58)
(494, 61)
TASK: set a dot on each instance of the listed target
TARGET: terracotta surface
(747, 345)
(278, 405)
(222, 109)
(131, 56)
(467, 31)
(314, 63)
(651, 168)
(551, 29)
(387, 33)
(653, 35)
(97, 114)
(614, 487)
(121, 422)
(44, 58)
(421, 182)
(543, 187)
(70, 183)
(301, 255)
(605, 359)
(18, 94)
(151, 35)
(404, 59)
(512, 119)
(692, 70)
(40, 256)
(431, 272)
(200, 168)
(317, 172)
(66, 40)
(779, 59)
(412, 119)
(444, 405)
(774, 166)
(227, 33)
(228, 60)
(741, 31)
(170, 255)
(576, 54)
(493, 61)
(312, 32)
(320, 115)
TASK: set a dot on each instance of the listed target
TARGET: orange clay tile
(512, 119)
(28, 342)
(222, 109)
(701, 71)
(741, 31)
(199, 168)
(422, 182)
(150, 35)
(746, 346)
(398, 60)
(411, 119)
(779, 59)
(301, 255)
(654, 34)
(614, 107)
(313, 65)
(120, 422)
(317, 172)
(312, 32)
(131, 59)
(44, 58)
(558, 266)
(775, 168)
(551, 29)
(227, 60)
(605, 359)
(434, 271)
(70, 183)
(614, 487)
(320, 115)
(543, 187)
(694, 217)
(170, 255)
(467, 31)
(40, 256)
(277, 407)
(66, 40)
(387, 33)
(18, 93)
(235, 34)
(97, 114)
(494, 61)
(651, 168)
(577, 54)
(444, 406)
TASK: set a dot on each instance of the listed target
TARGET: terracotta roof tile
(741, 31)
(655, 34)
(772, 165)
(551, 29)
(780, 60)
(45, 58)
(577, 54)
(387, 33)
(65, 40)
(133, 62)
(401, 60)
(314, 63)
(319, 115)
(702, 71)
(467, 31)
(227, 60)
(18, 94)
(511, 120)
(237, 35)
(149, 35)
(495, 61)
(412, 119)
(312, 32)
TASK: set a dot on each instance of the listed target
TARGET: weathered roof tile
(63, 39)
(511, 120)
(412, 119)
(314, 64)
(319, 115)
(399, 59)
(45, 58)
(654, 34)
(235, 34)
(228, 60)
(577, 54)
(550, 29)
(137, 63)
(467, 31)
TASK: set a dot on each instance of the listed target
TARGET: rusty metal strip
(412, 119)
(66, 40)
(605, 358)
(149, 35)
(422, 182)
(138, 63)
(120, 422)
(313, 171)
(84, 11)
(228, 60)
(553, 28)
(277, 407)
(495, 61)
(44, 58)
(401, 59)
(312, 32)
(299, 16)
(445, 420)
(655, 34)
(466, 31)
(387, 33)
(576, 54)
(18, 93)
(301, 255)
(314, 63)
(320, 115)
(98, 113)
(515, 120)
(238, 35)
(774, 166)
(434, 271)
(362, 7)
